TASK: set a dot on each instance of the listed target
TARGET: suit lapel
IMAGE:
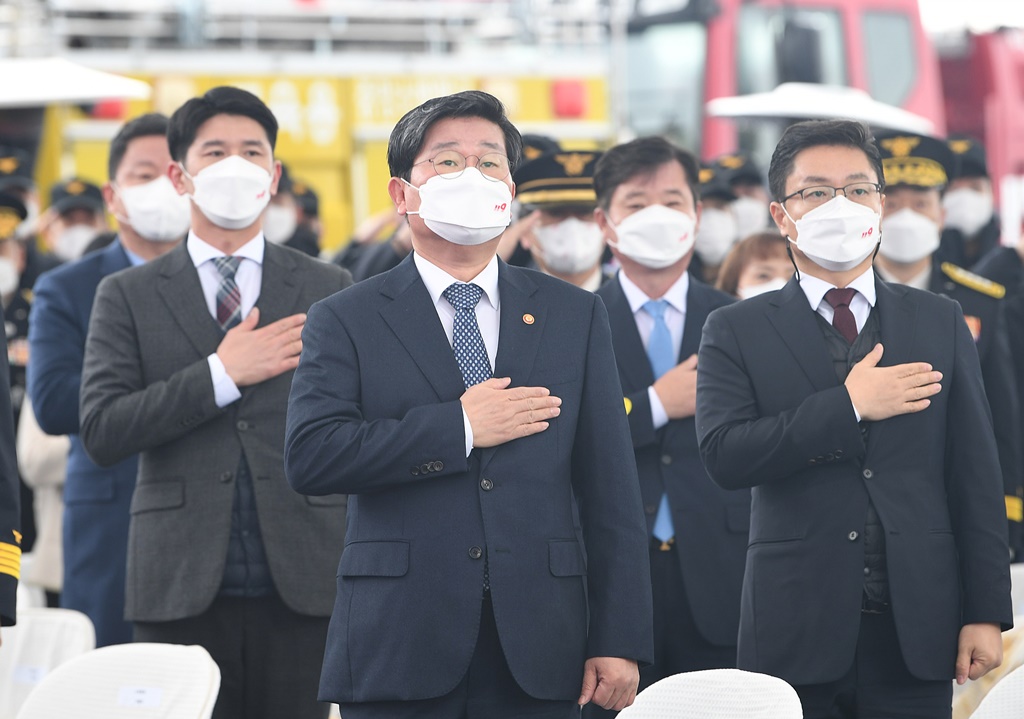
(183, 294)
(793, 318)
(113, 259)
(697, 308)
(634, 366)
(897, 312)
(413, 319)
(518, 336)
(279, 291)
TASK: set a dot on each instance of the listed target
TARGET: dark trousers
(678, 644)
(878, 684)
(269, 656)
(488, 691)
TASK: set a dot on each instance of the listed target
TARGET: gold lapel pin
(529, 319)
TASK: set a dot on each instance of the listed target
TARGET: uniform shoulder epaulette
(975, 282)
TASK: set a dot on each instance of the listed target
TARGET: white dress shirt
(860, 305)
(675, 318)
(921, 281)
(437, 281)
(249, 279)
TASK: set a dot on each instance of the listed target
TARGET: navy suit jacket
(772, 415)
(96, 500)
(375, 412)
(711, 523)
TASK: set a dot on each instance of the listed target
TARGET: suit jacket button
(838, 453)
(651, 509)
(242, 425)
(415, 471)
(830, 457)
(226, 477)
(852, 536)
(812, 461)
(486, 485)
(438, 466)
(867, 474)
(475, 552)
(666, 459)
(425, 468)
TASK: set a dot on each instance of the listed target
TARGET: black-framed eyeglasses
(863, 193)
(451, 164)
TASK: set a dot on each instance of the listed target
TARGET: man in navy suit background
(878, 563)
(152, 219)
(648, 210)
(463, 590)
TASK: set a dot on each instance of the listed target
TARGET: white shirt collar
(815, 288)
(921, 281)
(675, 295)
(437, 280)
(201, 252)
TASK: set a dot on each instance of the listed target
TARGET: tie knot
(227, 266)
(840, 297)
(656, 308)
(463, 296)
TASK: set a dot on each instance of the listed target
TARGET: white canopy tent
(807, 101)
(33, 82)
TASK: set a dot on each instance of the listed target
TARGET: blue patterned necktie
(229, 298)
(467, 343)
(662, 355)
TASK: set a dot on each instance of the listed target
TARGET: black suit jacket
(772, 415)
(10, 508)
(711, 523)
(375, 412)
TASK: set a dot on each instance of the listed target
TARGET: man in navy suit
(878, 565)
(648, 210)
(97, 499)
(464, 589)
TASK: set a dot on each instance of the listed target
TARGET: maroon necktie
(842, 318)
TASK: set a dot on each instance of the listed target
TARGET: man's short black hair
(642, 156)
(819, 133)
(143, 126)
(407, 138)
(224, 100)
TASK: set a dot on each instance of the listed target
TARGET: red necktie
(842, 318)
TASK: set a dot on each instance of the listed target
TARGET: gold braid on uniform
(975, 282)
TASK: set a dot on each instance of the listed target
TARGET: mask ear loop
(789, 251)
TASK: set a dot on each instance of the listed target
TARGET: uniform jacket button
(475, 552)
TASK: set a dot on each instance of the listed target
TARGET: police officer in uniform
(971, 229)
(918, 169)
(557, 191)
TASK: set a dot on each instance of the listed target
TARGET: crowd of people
(559, 425)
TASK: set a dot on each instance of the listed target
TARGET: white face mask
(232, 192)
(751, 216)
(9, 278)
(908, 236)
(71, 243)
(968, 210)
(655, 237)
(27, 228)
(716, 235)
(570, 246)
(279, 224)
(465, 210)
(838, 235)
(754, 290)
(156, 211)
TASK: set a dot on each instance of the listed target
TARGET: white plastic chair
(1017, 588)
(29, 595)
(716, 694)
(1005, 700)
(136, 681)
(41, 640)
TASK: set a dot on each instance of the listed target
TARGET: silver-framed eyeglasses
(863, 193)
(450, 164)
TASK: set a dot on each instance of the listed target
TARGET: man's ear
(396, 189)
(276, 178)
(181, 183)
(604, 223)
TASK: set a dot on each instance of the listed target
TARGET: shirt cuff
(855, 412)
(469, 432)
(659, 417)
(224, 389)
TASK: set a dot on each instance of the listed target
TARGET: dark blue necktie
(467, 343)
